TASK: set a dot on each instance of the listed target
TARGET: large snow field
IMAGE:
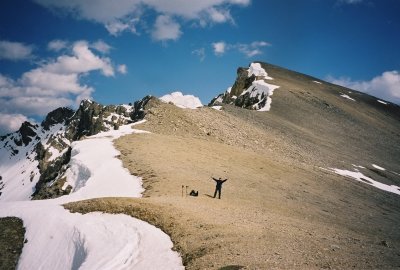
(95, 171)
(58, 239)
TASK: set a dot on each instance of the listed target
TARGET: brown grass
(274, 213)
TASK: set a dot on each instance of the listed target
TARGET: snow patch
(58, 239)
(262, 90)
(317, 82)
(367, 180)
(383, 102)
(256, 70)
(378, 167)
(182, 101)
(358, 166)
(348, 97)
(218, 108)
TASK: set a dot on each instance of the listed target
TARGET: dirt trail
(274, 213)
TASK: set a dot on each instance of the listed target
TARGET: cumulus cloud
(11, 122)
(15, 51)
(53, 84)
(219, 48)
(252, 49)
(101, 46)
(165, 28)
(83, 60)
(220, 15)
(385, 86)
(117, 27)
(248, 49)
(57, 45)
(122, 69)
(128, 13)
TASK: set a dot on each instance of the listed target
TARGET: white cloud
(201, 53)
(165, 28)
(248, 49)
(220, 15)
(82, 61)
(219, 48)
(15, 51)
(117, 18)
(101, 46)
(53, 84)
(253, 48)
(385, 86)
(190, 9)
(11, 122)
(122, 69)
(117, 27)
(57, 45)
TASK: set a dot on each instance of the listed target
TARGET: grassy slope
(278, 209)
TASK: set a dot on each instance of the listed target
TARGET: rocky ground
(11, 242)
(279, 208)
(282, 208)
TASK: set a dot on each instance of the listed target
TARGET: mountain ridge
(48, 145)
(293, 199)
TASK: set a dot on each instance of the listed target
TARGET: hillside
(282, 207)
(285, 150)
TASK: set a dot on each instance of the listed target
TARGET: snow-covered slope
(58, 239)
(33, 160)
(182, 101)
(19, 162)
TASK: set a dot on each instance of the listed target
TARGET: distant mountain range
(309, 111)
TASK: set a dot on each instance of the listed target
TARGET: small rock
(335, 247)
(384, 243)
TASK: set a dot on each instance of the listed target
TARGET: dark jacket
(219, 182)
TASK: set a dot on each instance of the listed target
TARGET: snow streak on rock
(251, 90)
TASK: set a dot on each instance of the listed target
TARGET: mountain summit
(313, 171)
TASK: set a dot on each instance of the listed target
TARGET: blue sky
(55, 53)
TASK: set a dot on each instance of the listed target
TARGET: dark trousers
(219, 193)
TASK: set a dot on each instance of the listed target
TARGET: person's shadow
(208, 195)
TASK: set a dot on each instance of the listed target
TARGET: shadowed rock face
(58, 116)
(27, 131)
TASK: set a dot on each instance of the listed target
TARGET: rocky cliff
(251, 90)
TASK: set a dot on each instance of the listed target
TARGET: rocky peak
(139, 108)
(27, 132)
(251, 89)
(58, 116)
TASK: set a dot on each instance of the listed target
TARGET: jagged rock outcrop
(92, 118)
(139, 106)
(27, 133)
(251, 89)
(49, 145)
(58, 116)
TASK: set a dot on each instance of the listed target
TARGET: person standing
(218, 187)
